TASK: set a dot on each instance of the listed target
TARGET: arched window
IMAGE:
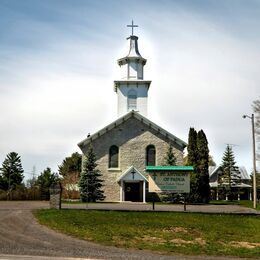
(113, 156)
(150, 155)
(131, 100)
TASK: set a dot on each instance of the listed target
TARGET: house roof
(243, 172)
(121, 120)
(212, 169)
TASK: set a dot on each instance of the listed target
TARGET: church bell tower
(132, 89)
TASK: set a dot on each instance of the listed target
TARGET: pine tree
(230, 175)
(170, 158)
(44, 181)
(90, 182)
(203, 166)
(11, 172)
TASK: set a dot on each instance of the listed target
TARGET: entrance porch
(132, 186)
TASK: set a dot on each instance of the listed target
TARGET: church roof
(121, 120)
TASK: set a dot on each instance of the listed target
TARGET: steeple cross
(132, 25)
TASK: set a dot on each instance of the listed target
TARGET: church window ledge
(114, 169)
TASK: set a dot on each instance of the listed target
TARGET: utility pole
(254, 157)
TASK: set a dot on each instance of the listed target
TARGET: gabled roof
(121, 120)
(242, 170)
(212, 169)
(127, 175)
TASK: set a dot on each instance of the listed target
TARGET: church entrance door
(133, 191)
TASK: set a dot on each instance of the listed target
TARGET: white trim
(124, 118)
(123, 177)
(144, 199)
(114, 169)
(121, 190)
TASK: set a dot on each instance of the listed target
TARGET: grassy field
(184, 233)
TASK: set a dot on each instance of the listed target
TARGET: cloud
(58, 63)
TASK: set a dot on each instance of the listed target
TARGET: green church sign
(174, 179)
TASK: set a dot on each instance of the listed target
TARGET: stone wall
(132, 137)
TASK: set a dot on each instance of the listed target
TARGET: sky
(58, 61)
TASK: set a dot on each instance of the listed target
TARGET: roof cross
(132, 25)
(133, 173)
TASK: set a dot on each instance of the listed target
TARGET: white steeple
(132, 90)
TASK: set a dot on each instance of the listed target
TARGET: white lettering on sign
(175, 182)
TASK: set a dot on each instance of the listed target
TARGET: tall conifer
(203, 166)
(198, 157)
(90, 180)
(194, 195)
(192, 148)
(11, 171)
(230, 176)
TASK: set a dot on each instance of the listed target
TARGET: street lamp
(254, 157)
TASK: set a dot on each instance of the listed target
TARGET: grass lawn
(184, 233)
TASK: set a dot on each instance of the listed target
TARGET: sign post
(174, 179)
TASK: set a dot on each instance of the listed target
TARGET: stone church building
(126, 146)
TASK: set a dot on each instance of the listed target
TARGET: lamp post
(254, 156)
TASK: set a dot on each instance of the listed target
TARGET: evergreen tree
(11, 172)
(230, 175)
(192, 160)
(44, 181)
(192, 149)
(90, 182)
(170, 158)
(203, 166)
(198, 157)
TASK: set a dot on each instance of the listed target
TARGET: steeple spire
(133, 59)
(132, 89)
(133, 50)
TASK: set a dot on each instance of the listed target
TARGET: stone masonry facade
(132, 137)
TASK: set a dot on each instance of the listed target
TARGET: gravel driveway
(20, 234)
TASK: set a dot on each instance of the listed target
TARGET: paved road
(21, 237)
(230, 209)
